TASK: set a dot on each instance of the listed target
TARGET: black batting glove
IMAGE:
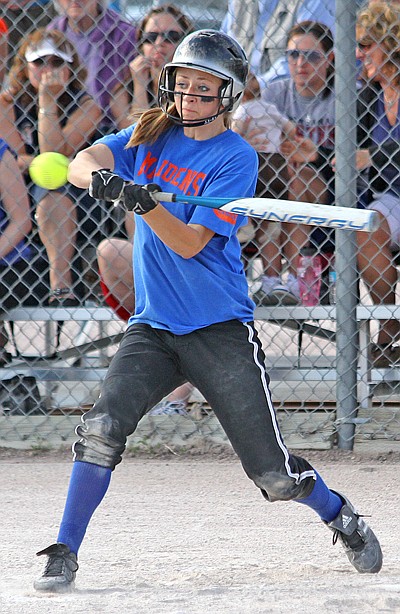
(140, 198)
(106, 185)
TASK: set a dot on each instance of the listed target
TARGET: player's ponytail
(150, 125)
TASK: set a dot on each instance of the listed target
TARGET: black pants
(226, 363)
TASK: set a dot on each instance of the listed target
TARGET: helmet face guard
(212, 52)
(167, 95)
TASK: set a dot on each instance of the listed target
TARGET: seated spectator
(378, 36)
(307, 99)
(19, 278)
(106, 44)
(262, 28)
(159, 33)
(53, 112)
(265, 127)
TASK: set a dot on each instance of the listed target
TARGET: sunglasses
(170, 36)
(47, 60)
(309, 55)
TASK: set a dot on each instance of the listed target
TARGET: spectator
(106, 44)
(262, 28)
(158, 36)
(15, 251)
(52, 112)
(264, 126)
(307, 99)
(378, 36)
(22, 17)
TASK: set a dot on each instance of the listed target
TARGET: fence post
(345, 190)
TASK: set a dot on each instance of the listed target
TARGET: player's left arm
(186, 240)
(87, 161)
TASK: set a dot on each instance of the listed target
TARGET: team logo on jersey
(187, 180)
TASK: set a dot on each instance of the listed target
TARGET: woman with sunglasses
(307, 99)
(193, 318)
(159, 33)
(378, 157)
(51, 111)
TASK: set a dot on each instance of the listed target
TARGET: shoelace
(354, 541)
(54, 566)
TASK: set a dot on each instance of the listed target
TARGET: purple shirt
(105, 50)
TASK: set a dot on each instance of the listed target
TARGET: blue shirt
(171, 292)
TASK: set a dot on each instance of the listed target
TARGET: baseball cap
(44, 48)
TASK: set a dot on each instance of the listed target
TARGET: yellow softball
(49, 170)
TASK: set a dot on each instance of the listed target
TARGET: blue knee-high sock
(87, 487)
(325, 502)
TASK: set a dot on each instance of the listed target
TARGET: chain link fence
(321, 108)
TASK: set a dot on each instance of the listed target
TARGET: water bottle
(332, 283)
(309, 272)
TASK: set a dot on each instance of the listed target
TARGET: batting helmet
(212, 52)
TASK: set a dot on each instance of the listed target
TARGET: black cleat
(359, 541)
(60, 570)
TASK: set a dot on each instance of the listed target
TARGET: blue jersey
(171, 292)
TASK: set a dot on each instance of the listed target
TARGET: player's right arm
(88, 160)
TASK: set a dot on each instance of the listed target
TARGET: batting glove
(140, 198)
(106, 185)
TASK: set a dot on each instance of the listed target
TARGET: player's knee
(102, 440)
(276, 487)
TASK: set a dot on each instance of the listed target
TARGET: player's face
(161, 36)
(308, 62)
(196, 94)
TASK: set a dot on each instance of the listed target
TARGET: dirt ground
(191, 534)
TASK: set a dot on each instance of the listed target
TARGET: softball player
(193, 320)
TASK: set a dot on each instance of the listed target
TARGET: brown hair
(153, 122)
(19, 83)
(184, 22)
(380, 23)
(324, 37)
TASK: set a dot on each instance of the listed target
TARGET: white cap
(44, 48)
